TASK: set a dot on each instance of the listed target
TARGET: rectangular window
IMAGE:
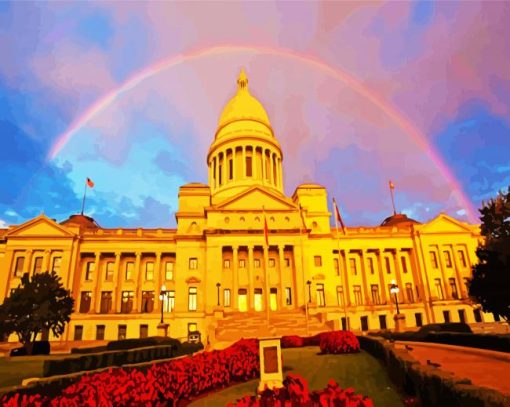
(57, 263)
(409, 292)
(288, 296)
(382, 322)
(453, 288)
(147, 301)
(249, 168)
(321, 300)
(242, 263)
(149, 271)
(106, 302)
(496, 317)
(127, 302)
(388, 264)
(340, 295)
(18, 269)
(344, 323)
(272, 263)
(89, 270)
(371, 265)
(144, 331)
(193, 263)
(462, 257)
(446, 316)
(192, 299)
(364, 323)
(78, 332)
(38, 264)
(226, 264)
(130, 270)
(100, 332)
(403, 262)
(462, 316)
(336, 265)
(433, 259)
(477, 313)
(230, 169)
(357, 295)
(220, 170)
(439, 289)
(122, 332)
(109, 271)
(376, 299)
(256, 263)
(418, 319)
(169, 270)
(287, 262)
(169, 301)
(352, 265)
(85, 298)
(447, 258)
(226, 297)
(317, 260)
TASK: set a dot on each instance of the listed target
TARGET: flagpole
(84, 195)
(266, 254)
(392, 188)
(339, 263)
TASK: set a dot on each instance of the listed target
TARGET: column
(345, 279)
(235, 278)
(216, 169)
(138, 282)
(159, 279)
(8, 264)
(28, 262)
(460, 283)
(97, 290)
(279, 172)
(243, 163)
(263, 154)
(46, 260)
(380, 267)
(368, 299)
(250, 278)
(117, 283)
(447, 293)
(254, 161)
(281, 269)
(224, 168)
(396, 260)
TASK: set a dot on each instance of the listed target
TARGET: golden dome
(243, 106)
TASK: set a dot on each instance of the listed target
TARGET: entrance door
(258, 299)
(273, 299)
(242, 300)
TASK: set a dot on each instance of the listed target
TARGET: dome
(82, 221)
(399, 219)
(243, 106)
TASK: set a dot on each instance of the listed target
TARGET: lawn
(359, 371)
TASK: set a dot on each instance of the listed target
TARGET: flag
(392, 185)
(266, 229)
(90, 183)
(338, 217)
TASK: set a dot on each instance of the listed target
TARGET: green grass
(359, 371)
(14, 370)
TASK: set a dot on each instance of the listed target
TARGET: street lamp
(163, 295)
(309, 283)
(218, 285)
(394, 290)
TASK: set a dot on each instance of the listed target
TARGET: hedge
(433, 387)
(125, 344)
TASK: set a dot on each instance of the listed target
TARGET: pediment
(193, 280)
(256, 198)
(445, 224)
(39, 226)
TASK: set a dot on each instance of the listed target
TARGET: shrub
(292, 342)
(339, 342)
(126, 344)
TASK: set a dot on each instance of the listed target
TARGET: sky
(358, 93)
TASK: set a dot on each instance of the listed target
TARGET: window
(144, 330)
(321, 300)
(57, 262)
(242, 263)
(418, 297)
(462, 257)
(364, 323)
(220, 178)
(418, 318)
(409, 292)
(478, 315)
(388, 264)
(18, 269)
(371, 265)
(192, 327)
(122, 332)
(78, 332)
(147, 301)
(340, 295)
(453, 288)
(192, 299)
(127, 302)
(109, 271)
(439, 289)
(447, 258)
(336, 265)
(433, 259)
(38, 264)
(256, 263)
(89, 270)
(352, 265)
(169, 301)
(130, 270)
(376, 299)
(344, 323)
(446, 316)
(287, 262)
(317, 260)
(169, 270)
(357, 295)
(288, 296)
(106, 302)
(193, 263)
(496, 317)
(226, 264)
(226, 297)
(149, 271)
(462, 316)
(230, 169)
(274, 171)
(248, 166)
(382, 322)
(85, 298)
(272, 263)
(100, 332)
(404, 264)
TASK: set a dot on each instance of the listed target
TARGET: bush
(126, 344)
(292, 342)
(38, 348)
(94, 349)
(339, 342)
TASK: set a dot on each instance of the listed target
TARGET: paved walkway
(484, 368)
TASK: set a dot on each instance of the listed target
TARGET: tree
(490, 285)
(39, 304)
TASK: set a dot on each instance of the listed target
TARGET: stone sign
(271, 370)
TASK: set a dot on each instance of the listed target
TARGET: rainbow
(355, 84)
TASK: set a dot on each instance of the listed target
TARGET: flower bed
(330, 342)
(295, 393)
(160, 384)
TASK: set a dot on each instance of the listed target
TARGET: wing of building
(218, 273)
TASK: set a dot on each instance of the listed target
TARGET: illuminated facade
(214, 265)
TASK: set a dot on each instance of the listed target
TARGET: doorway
(242, 300)
(273, 299)
(257, 300)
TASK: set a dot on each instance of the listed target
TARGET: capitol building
(223, 271)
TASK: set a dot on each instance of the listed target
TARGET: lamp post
(163, 296)
(394, 290)
(218, 285)
(309, 283)
(399, 318)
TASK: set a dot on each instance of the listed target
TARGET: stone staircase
(254, 325)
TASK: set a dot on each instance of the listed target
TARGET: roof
(399, 219)
(82, 221)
